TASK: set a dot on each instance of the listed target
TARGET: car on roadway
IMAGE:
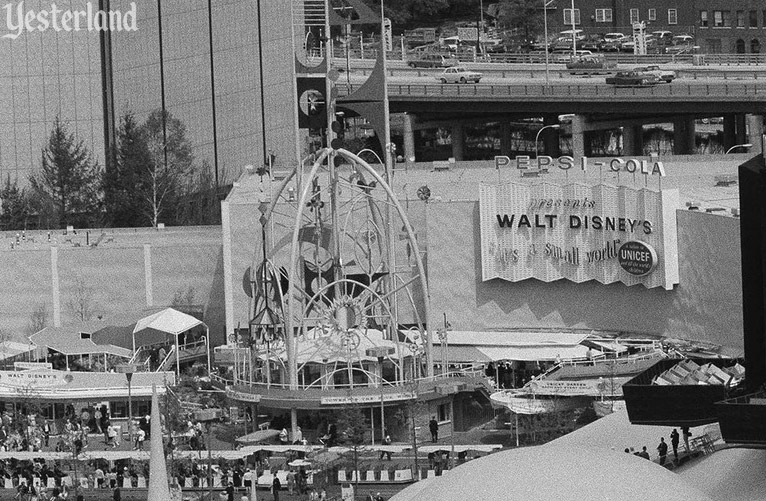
(632, 79)
(666, 76)
(431, 60)
(459, 74)
(589, 65)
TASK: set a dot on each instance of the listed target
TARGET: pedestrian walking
(433, 426)
(276, 485)
(663, 450)
(674, 439)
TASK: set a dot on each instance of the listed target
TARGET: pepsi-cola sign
(637, 258)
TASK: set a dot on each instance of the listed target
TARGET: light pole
(537, 136)
(574, 38)
(743, 145)
(129, 370)
(208, 416)
(545, 23)
(380, 352)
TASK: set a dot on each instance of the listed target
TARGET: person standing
(674, 439)
(644, 454)
(663, 450)
(276, 485)
(433, 426)
(46, 432)
(291, 481)
(117, 495)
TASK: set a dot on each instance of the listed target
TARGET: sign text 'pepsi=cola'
(543, 163)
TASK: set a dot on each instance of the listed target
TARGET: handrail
(164, 360)
(191, 346)
(135, 355)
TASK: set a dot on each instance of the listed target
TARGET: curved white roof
(561, 473)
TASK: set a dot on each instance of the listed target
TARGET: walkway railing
(677, 91)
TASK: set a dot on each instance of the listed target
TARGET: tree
(353, 426)
(165, 176)
(14, 208)
(524, 16)
(122, 178)
(68, 177)
(81, 304)
(38, 319)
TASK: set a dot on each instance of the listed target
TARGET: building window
(652, 14)
(755, 46)
(672, 16)
(722, 18)
(714, 45)
(603, 15)
(752, 19)
(740, 46)
(633, 16)
(443, 412)
(703, 19)
(568, 16)
(740, 19)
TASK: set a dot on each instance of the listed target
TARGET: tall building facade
(45, 74)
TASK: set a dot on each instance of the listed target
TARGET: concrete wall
(114, 275)
(706, 305)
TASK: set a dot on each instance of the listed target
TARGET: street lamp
(545, 23)
(537, 136)
(208, 416)
(743, 145)
(129, 370)
(574, 38)
(380, 352)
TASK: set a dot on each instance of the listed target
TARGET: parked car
(459, 74)
(666, 76)
(590, 64)
(431, 60)
(632, 79)
(593, 43)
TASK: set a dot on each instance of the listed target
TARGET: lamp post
(380, 352)
(537, 136)
(743, 145)
(545, 23)
(574, 38)
(208, 416)
(129, 370)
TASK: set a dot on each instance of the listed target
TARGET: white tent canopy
(172, 322)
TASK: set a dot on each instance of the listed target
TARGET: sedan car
(666, 76)
(632, 79)
(459, 74)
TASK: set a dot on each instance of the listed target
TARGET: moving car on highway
(458, 74)
(632, 79)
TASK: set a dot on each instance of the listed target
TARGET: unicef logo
(637, 258)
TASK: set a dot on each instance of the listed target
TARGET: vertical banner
(389, 34)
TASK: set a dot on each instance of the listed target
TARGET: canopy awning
(462, 354)
(151, 330)
(533, 353)
(75, 340)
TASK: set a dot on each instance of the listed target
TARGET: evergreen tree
(165, 177)
(14, 208)
(69, 177)
(122, 179)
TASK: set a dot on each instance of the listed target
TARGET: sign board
(34, 379)
(637, 258)
(389, 36)
(588, 387)
(575, 232)
(367, 399)
(32, 365)
(243, 396)
(468, 34)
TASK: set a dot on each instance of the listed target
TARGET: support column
(56, 293)
(228, 287)
(729, 132)
(458, 141)
(633, 140)
(578, 136)
(739, 128)
(755, 132)
(409, 137)
(506, 145)
(148, 275)
(683, 136)
(550, 137)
